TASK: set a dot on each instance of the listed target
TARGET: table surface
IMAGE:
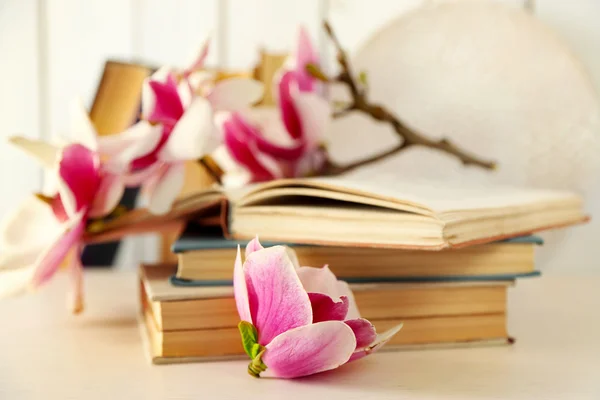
(46, 353)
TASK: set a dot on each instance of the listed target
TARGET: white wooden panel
(271, 24)
(19, 104)
(171, 33)
(82, 35)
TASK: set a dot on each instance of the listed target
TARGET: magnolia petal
(324, 308)
(293, 256)
(79, 177)
(322, 280)
(166, 189)
(45, 153)
(168, 107)
(278, 302)
(377, 344)
(148, 97)
(15, 281)
(108, 195)
(199, 59)
(291, 153)
(247, 154)
(364, 331)
(31, 226)
(305, 54)
(194, 134)
(315, 113)
(137, 178)
(138, 141)
(343, 290)
(76, 303)
(82, 128)
(49, 261)
(240, 290)
(235, 93)
(252, 246)
(309, 349)
(287, 88)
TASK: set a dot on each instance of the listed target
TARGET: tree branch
(332, 168)
(378, 112)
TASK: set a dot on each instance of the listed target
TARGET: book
(204, 258)
(116, 106)
(381, 213)
(190, 324)
(118, 97)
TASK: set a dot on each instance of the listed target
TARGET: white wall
(52, 50)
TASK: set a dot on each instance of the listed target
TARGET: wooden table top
(48, 354)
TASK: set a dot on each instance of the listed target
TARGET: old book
(189, 345)
(118, 97)
(206, 259)
(383, 212)
(189, 308)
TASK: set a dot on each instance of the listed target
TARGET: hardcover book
(204, 258)
(383, 214)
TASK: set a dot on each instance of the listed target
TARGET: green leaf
(249, 338)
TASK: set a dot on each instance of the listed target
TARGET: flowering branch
(378, 112)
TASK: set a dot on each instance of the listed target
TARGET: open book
(395, 214)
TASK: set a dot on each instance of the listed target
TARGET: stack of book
(438, 259)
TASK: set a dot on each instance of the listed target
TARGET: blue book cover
(211, 238)
(413, 279)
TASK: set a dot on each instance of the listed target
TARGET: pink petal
(198, 62)
(167, 188)
(324, 308)
(305, 54)
(235, 93)
(240, 290)
(78, 169)
(309, 349)
(82, 128)
(58, 207)
(76, 273)
(134, 179)
(108, 195)
(14, 281)
(343, 289)
(193, 135)
(278, 302)
(291, 119)
(245, 153)
(364, 331)
(148, 97)
(49, 261)
(252, 246)
(31, 226)
(152, 157)
(322, 280)
(315, 113)
(167, 107)
(276, 151)
(43, 152)
(136, 142)
(377, 344)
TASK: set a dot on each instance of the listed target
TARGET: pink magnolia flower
(42, 235)
(297, 321)
(283, 142)
(177, 126)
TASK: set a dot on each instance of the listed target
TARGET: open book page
(438, 196)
